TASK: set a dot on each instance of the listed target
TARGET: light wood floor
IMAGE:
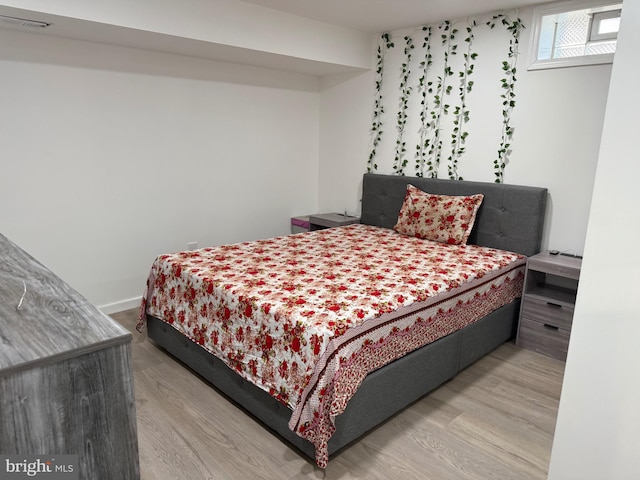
(494, 420)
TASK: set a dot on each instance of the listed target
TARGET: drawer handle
(550, 327)
(554, 305)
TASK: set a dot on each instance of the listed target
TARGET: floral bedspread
(306, 317)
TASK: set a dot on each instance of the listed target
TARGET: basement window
(565, 36)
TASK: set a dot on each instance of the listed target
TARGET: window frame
(564, 7)
(597, 18)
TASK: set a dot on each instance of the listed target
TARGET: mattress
(306, 317)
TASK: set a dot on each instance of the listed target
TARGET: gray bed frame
(510, 218)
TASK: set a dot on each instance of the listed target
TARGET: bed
(337, 400)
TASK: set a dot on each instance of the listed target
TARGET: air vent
(22, 22)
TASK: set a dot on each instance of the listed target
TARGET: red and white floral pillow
(440, 218)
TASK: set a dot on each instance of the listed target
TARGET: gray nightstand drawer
(547, 312)
(544, 338)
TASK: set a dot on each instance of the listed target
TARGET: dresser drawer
(547, 312)
(543, 338)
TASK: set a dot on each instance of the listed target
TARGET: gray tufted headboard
(511, 217)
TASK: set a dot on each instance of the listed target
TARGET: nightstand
(329, 220)
(548, 300)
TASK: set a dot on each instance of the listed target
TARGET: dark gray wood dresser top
(66, 378)
(42, 318)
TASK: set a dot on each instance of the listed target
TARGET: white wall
(113, 155)
(597, 433)
(557, 120)
(345, 112)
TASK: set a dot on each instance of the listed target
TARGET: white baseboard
(120, 306)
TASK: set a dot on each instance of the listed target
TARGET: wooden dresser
(66, 384)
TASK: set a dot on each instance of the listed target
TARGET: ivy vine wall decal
(424, 86)
(441, 108)
(461, 112)
(435, 87)
(400, 160)
(508, 84)
(378, 110)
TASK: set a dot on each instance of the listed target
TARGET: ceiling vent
(21, 22)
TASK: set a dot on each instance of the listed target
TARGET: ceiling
(368, 16)
(387, 15)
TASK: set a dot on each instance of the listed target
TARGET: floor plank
(494, 420)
